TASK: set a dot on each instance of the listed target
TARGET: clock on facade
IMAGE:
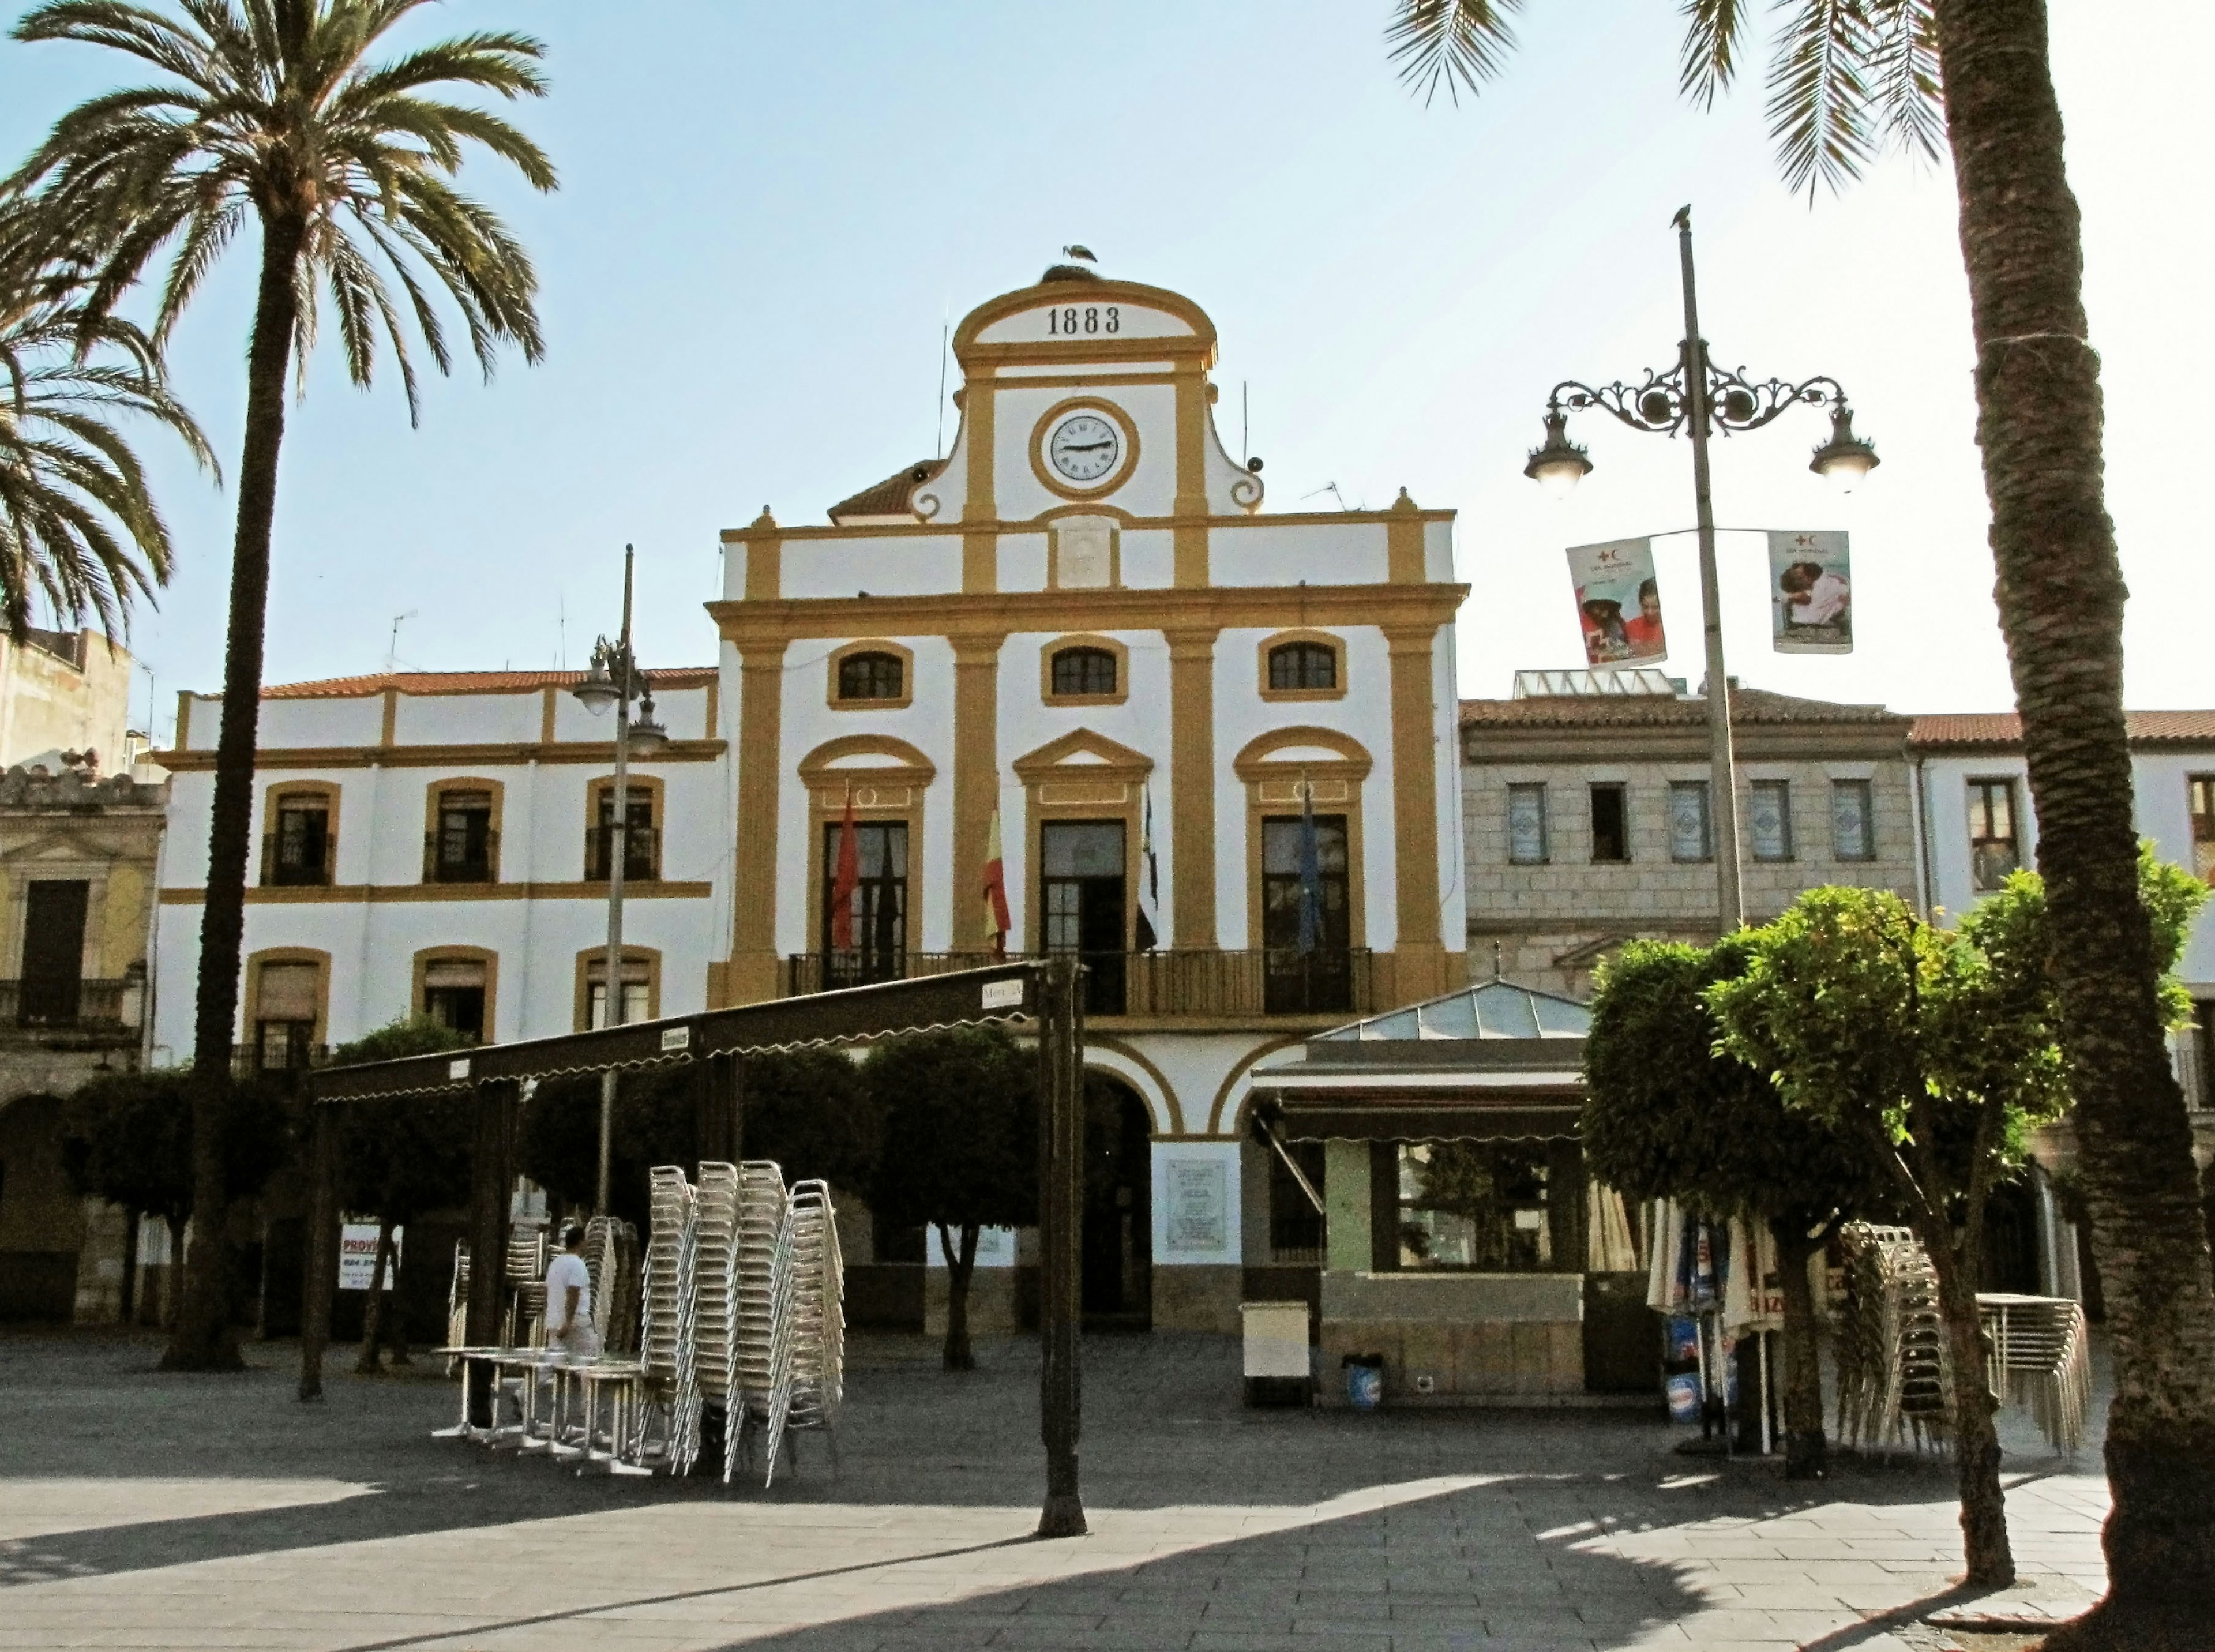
(1084, 447)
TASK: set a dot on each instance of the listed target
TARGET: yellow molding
(1192, 788)
(1138, 1058)
(1127, 429)
(382, 894)
(1414, 788)
(975, 524)
(1105, 609)
(1042, 294)
(1107, 645)
(838, 657)
(432, 757)
(387, 735)
(976, 775)
(1335, 643)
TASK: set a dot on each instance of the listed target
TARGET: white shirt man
(569, 1298)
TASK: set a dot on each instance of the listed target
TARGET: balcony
(641, 853)
(98, 1010)
(456, 857)
(1265, 981)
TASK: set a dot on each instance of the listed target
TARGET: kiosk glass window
(1478, 1206)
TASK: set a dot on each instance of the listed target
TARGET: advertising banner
(1618, 605)
(1811, 592)
(358, 1255)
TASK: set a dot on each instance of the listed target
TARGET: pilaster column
(981, 549)
(975, 780)
(1420, 964)
(1192, 786)
(751, 974)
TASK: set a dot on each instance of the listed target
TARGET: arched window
(870, 677)
(1302, 666)
(1084, 671)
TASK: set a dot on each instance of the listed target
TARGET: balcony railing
(1262, 981)
(84, 1006)
(641, 853)
(470, 860)
(276, 874)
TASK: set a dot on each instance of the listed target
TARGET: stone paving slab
(147, 1511)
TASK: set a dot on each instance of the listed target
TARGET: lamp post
(1697, 397)
(615, 680)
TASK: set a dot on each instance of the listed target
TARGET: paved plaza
(143, 1510)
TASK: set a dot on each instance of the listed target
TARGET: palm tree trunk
(2060, 595)
(203, 1340)
(1806, 1450)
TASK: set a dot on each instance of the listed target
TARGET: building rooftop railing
(1258, 981)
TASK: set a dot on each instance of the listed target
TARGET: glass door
(1082, 896)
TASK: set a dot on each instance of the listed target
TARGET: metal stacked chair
(1893, 1364)
(457, 1302)
(667, 1346)
(526, 1324)
(2040, 1358)
(819, 1314)
(783, 1283)
(760, 1222)
(715, 1267)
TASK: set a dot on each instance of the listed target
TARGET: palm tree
(1848, 77)
(267, 111)
(78, 528)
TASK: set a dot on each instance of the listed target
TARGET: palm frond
(1455, 44)
(1819, 99)
(1910, 110)
(1713, 29)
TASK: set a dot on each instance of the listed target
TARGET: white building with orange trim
(1081, 619)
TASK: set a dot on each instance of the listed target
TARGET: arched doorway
(1118, 1223)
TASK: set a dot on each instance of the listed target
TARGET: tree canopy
(960, 1130)
(128, 1138)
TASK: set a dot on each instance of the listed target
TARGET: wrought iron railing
(92, 1006)
(641, 853)
(276, 873)
(473, 860)
(1169, 982)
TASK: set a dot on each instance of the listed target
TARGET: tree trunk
(2060, 595)
(129, 1290)
(203, 1340)
(960, 1262)
(1807, 1450)
(173, 1276)
(1985, 1543)
(373, 1312)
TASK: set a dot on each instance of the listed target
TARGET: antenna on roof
(1245, 445)
(945, 332)
(1331, 488)
(392, 648)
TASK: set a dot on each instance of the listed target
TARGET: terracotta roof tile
(2005, 728)
(469, 682)
(1748, 705)
(888, 497)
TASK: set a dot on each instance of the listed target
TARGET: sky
(768, 212)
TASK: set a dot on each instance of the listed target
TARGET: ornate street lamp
(614, 680)
(1696, 397)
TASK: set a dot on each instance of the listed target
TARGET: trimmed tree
(959, 1149)
(400, 1158)
(1667, 1116)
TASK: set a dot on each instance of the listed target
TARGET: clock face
(1084, 447)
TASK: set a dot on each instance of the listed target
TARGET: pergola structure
(1047, 994)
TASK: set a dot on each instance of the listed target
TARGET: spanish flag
(996, 889)
(845, 882)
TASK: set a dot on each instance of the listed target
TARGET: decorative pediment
(1083, 754)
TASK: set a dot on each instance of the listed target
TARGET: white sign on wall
(995, 1246)
(1197, 1216)
(358, 1255)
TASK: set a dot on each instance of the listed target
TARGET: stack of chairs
(714, 1267)
(666, 1337)
(457, 1302)
(1892, 1361)
(2039, 1357)
(611, 1261)
(819, 1313)
(525, 1322)
(755, 1317)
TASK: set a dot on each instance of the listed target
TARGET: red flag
(995, 890)
(845, 882)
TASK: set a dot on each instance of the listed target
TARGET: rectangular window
(2200, 790)
(1769, 821)
(50, 992)
(1994, 851)
(284, 1002)
(877, 908)
(1691, 836)
(1610, 823)
(1526, 825)
(1483, 1206)
(1081, 879)
(636, 1001)
(641, 858)
(454, 995)
(1853, 824)
(462, 847)
(301, 848)
(1294, 981)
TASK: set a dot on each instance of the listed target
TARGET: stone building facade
(1587, 817)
